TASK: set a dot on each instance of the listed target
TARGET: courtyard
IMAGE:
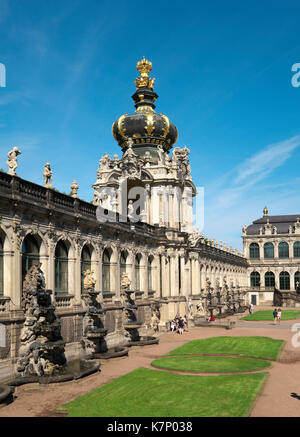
(269, 372)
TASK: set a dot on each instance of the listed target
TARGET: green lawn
(154, 393)
(268, 315)
(210, 364)
(257, 347)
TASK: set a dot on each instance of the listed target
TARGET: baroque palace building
(272, 247)
(140, 222)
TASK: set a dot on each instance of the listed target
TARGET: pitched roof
(282, 223)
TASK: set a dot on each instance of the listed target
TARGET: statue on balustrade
(47, 176)
(12, 160)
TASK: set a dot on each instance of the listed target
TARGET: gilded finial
(266, 212)
(144, 67)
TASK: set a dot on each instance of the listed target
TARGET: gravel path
(277, 399)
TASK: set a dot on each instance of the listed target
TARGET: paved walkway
(275, 400)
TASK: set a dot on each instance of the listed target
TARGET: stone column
(144, 274)
(114, 279)
(186, 277)
(165, 276)
(171, 209)
(148, 203)
(174, 275)
(50, 281)
(96, 264)
(197, 276)
(8, 272)
(131, 270)
(156, 276)
(117, 273)
(75, 287)
(73, 274)
(100, 271)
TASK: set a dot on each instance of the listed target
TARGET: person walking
(173, 325)
(279, 315)
(275, 316)
(180, 325)
(185, 323)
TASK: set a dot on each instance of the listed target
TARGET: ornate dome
(146, 128)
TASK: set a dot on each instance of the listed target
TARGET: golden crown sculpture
(144, 67)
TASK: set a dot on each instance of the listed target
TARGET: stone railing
(260, 288)
(221, 255)
(30, 189)
(4, 304)
(20, 189)
(64, 300)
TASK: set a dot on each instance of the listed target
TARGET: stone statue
(130, 209)
(200, 308)
(104, 162)
(74, 187)
(190, 308)
(147, 158)
(244, 229)
(194, 238)
(116, 161)
(161, 155)
(129, 152)
(89, 281)
(130, 142)
(168, 162)
(155, 319)
(125, 282)
(47, 176)
(42, 348)
(12, 160)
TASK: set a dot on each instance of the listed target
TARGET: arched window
(86, 263)
(123, 259)
(150, 272)
(30, 254)
(269, 279)
(61, 268)
(284, 281)
(254, 279)
(137, 267)
(106, 270)
(1, 269)
(297, 249)
(283, 250)
(254, 250)
(269, 250)
(297, 280)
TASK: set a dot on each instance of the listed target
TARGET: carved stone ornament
(131, 165)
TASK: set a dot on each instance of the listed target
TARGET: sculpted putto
(12, 160)
(89, 281)
(47, 175)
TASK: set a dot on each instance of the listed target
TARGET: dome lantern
(146, 128)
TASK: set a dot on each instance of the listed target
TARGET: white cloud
(263, 163)
(231, 202)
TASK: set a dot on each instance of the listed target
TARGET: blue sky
(223, 74)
